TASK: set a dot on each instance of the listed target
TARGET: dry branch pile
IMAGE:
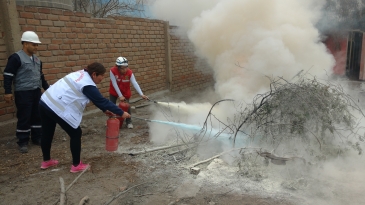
(304, 118)
(304, 122)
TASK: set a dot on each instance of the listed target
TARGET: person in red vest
(120, 78)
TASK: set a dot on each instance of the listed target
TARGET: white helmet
(121, 61)
(30, 36)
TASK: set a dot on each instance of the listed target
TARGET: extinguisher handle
(112, 116)
(154, 101)
(116, 116)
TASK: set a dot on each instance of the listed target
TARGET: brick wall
(3, 56)
(72, 40)
(188, 71)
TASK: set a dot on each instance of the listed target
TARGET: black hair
(96, 67)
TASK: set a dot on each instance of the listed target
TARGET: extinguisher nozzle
(154, 101)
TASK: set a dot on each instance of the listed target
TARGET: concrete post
(362, 58)
(10, 23)
(168, 55)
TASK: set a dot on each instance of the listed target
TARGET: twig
(216, 156)
(62, 196)
(210, 111)
(143, 195)
(84, 200)
(69, 186)
(157, 149)
(175, 159)
(274, 157)
(46, 172)
(174, 202)
(125, 191)
(178, 151)
(319, 142)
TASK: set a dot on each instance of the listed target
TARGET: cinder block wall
(72, 40)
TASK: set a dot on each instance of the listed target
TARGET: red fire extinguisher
(112, 134)
(125, 107)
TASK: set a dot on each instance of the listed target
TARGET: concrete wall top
(60, 4)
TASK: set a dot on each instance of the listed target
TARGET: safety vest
(123, 82)
(66, 99)
(28, 76)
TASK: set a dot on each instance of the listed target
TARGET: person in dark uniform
(24, 69)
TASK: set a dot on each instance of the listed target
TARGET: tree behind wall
(103, 8)
(342, 15)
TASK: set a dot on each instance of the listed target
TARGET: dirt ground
(161, 177)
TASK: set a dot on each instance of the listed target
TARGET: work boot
(130, 126)
(23, 149)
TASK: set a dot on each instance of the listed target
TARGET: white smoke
(274, 38)
(246, 41)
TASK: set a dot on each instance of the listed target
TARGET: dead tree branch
(69, 186)
(157, 149)
(214, 157)
(62, 195)
(84, 200)
(102, 9)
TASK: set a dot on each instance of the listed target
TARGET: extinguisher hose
(154, 101)
(141, 118)
(143, 99)
(136, 101)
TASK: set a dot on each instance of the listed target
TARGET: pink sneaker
(79, 168)
(49, 163)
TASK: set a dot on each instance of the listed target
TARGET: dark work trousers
(29, 121)
(113, 99)
(49, 121)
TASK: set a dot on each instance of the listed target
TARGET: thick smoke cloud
(244, 41)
